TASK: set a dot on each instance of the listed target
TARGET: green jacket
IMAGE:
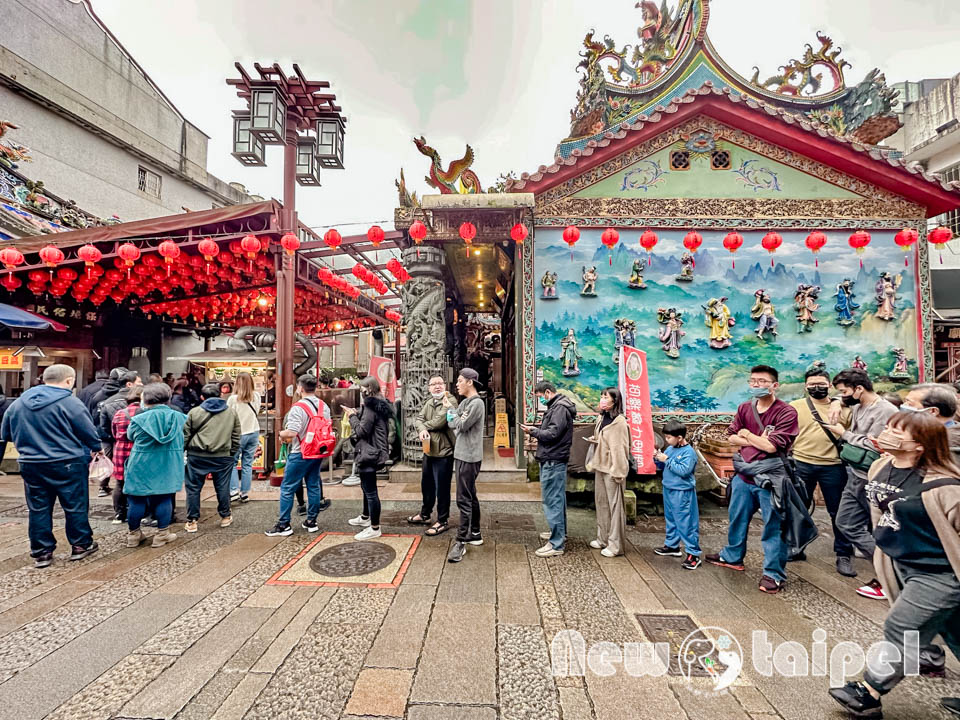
(155, 465)
(219, 430)
(433, 418)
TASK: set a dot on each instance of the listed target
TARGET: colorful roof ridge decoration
(674, 54)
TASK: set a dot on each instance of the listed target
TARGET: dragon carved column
(424, 302)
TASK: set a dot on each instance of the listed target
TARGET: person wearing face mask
(940, 401)
(764, 428)
(816, 452)
(610, 463)
(868, 416)
(372, 450)
(914, 495)
(438, 441)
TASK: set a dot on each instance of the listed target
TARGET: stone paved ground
(193, 631)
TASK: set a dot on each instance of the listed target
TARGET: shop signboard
(9, 361)
(635, 389)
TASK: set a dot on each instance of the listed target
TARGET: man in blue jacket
(55, 437)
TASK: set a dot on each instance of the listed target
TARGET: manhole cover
(351, 559)
(699, 651)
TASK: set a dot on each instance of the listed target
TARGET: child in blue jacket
(678, 461)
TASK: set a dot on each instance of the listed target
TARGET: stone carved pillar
(424, 304)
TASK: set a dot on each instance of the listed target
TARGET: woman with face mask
(914, 494)
(610, 464)
(372, 450)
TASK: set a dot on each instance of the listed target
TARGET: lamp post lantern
(285, 110)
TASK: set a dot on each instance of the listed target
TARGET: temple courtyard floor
(230, 624)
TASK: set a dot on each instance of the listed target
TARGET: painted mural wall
(700, 365)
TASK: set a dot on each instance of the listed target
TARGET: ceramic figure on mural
(900, 370)
(671, 333)
(636, 276)
(845, 306)
(717, 318)
(858, 364)
(805, 302)
(886, 289)
(570, 354)
(764, 313)
(625, 334)
(686, 272)
(549, 284)
(589, 278)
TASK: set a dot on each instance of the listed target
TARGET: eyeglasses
(759, 382)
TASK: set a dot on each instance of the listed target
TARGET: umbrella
(17, 319)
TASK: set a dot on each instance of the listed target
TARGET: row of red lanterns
(365, 274)
(397, 270)
(337, 282)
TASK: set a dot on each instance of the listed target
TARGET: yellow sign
(501, 432)
(9, 361)
(259, 457)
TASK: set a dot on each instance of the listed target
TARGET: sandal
(417, 520)
(437, 529)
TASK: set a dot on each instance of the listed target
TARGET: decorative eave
(876, 165)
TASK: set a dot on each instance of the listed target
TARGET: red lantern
(940, 236)
(51, 257)
(859, 241)
(815, 241)
(468, 231)
(375, 235)
(11, 257)
(129, 253)
(648, 240)
(732, 242)
(170, 252)
(691, 241)
(250, 245)
(290, 243)
(519, 233)
(209, 249)
(10, 282)
(570, 236)
(332, 238)
(770, 242)
(905, 239)
(418, 231)
(610, 238)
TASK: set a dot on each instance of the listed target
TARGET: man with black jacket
(554, 438)
(104, 420)
(90, 391)
(108, 389)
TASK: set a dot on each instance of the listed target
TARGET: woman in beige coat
(610, 464)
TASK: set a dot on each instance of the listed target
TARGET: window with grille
(720, 160)
(148, 182)
(680, 160)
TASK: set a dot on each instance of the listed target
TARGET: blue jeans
(682, 514)
(160, 506)
(43, 484)
(298, 470)
(553, 490)
(248, 448)
(745, 500)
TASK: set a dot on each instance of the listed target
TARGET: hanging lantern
(732, 242)
(209, 249)
(129, 254)
(648, 240)
(570, 236)
(859, 241)
(691, 241)
(610, 237)
(770, 242)
(332, 238)
(250, 245)
(375, 235)
(290, 243)
(90, 255)
(51, 257)
(10, 282)
(170, 252)
(518, 233)
(905, 239)
(815, 241)
(940, 236)
(417, 231)
(468, 231)
(11, 257)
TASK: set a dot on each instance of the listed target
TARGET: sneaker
(359, 521)
(475, 540)
(310, 525)
(857, 700)
(798, 557)
(845, 566)
(117, 520)
(149, 522)
(668, 551)
(547, 550)
(244, 498)
(227, 521)
(951, 705)
(596, 545)
(42, 561)
(352, 480)
(279, 530)
(235, 496)
(103, 492)
(457, 552)
(190, 526)
(607, 552)
(771, 586)
(692, 562)
(872, 590)
(547, 535)
(324, 504)
(715, 559)
(301, 509)
(368, 533)
(79, 553)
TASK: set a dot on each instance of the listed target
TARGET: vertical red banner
(635, 388)
(382, 369)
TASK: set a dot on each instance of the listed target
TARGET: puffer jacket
(555, 434)
(212, 430)
(370, 431)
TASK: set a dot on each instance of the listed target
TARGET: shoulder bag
(823, 426)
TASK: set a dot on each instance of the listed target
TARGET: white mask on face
(438, 395)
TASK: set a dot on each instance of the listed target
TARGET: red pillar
(286, 275)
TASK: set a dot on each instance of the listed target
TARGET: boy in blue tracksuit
(678, 461)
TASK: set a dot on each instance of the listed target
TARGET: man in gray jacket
(468, 421)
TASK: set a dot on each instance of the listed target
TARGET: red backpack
(318, 440)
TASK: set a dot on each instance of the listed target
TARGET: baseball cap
(471, 374)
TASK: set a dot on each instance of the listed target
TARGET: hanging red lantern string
(691, 241)
(290, 243)
(129, 254)
(51, 257)
(648, 240)
(859, 241)
(732, 242)
(815, 241)
(940, 236)
(570, 236)
(610, 237)
(11, 257)
(770, 242)
(375, 235)
(906, 239)
(170, 252)
(518, 233)
(250, 245)
(468, 231)
(209, 249)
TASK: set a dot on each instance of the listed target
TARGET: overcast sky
(498, 74)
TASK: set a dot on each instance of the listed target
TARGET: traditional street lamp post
(302, 115)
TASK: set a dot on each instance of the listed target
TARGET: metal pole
(286, 276)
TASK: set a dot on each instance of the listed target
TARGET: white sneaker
(547, 535)
(359, 521)
(595, 544)
(547, 550)
(351, 480)
(607, 552)
(368, 533)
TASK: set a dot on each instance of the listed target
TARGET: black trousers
(371, 496)
(198, 467)
(832, 480)
(467, 502)
(435, 486)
